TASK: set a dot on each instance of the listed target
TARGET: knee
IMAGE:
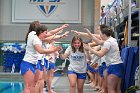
(73, 85)
(50, 77)
(111, 88)
(80, 87)
(27, 86)
(42, 82)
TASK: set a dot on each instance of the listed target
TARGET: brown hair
(33, 27)
(107, 31)
(41, 29)
(103, 26)
(81, 48)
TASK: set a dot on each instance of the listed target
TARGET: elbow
(100, 55)
(99, 43)
(46, 40)
(41, 51)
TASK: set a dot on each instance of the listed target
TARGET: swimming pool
(15, 85)
(11, 87)
(11, 84)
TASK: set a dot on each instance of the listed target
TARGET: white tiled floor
(61, 85)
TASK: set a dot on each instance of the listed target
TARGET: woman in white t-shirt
(51, 66)
(110, 49)
(33, 50)
(78, 65)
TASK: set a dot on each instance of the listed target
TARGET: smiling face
(77, 44)
(42, 32)
(43, 35)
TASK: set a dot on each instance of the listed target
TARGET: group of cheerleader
(105, 68)
(39, 61)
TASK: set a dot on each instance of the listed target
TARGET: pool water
(11, 87)
(15, 84)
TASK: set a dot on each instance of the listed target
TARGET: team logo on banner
(47, 7)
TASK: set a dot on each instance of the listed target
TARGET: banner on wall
(46, 11)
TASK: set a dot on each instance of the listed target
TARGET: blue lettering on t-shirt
(77, 58)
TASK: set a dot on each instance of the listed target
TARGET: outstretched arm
(94, 37)
(41, 50)
(55, 37)
(99, 53)
(61, 36)
(63, 55)
(88, 34)
(81, 33)
(88, 56)
(52, 32)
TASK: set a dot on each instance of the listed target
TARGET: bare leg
(45, 76)
(90, 75)
(94, 80)
(80, 85)
(29, 83)
(105, 82)
(112, 83)
(98, 82)
(119, 86)
(50, 77)
(101, 83)
(72, 80)
(41, 82)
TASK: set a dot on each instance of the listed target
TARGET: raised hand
(87, 31)
(75, 32)
(64, 26)
(57, 48)
(86, 47)
(60, 31)
(61, 50)
(65, 34)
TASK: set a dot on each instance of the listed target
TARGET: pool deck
(61, 85)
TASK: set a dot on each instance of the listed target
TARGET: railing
(120, 18)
